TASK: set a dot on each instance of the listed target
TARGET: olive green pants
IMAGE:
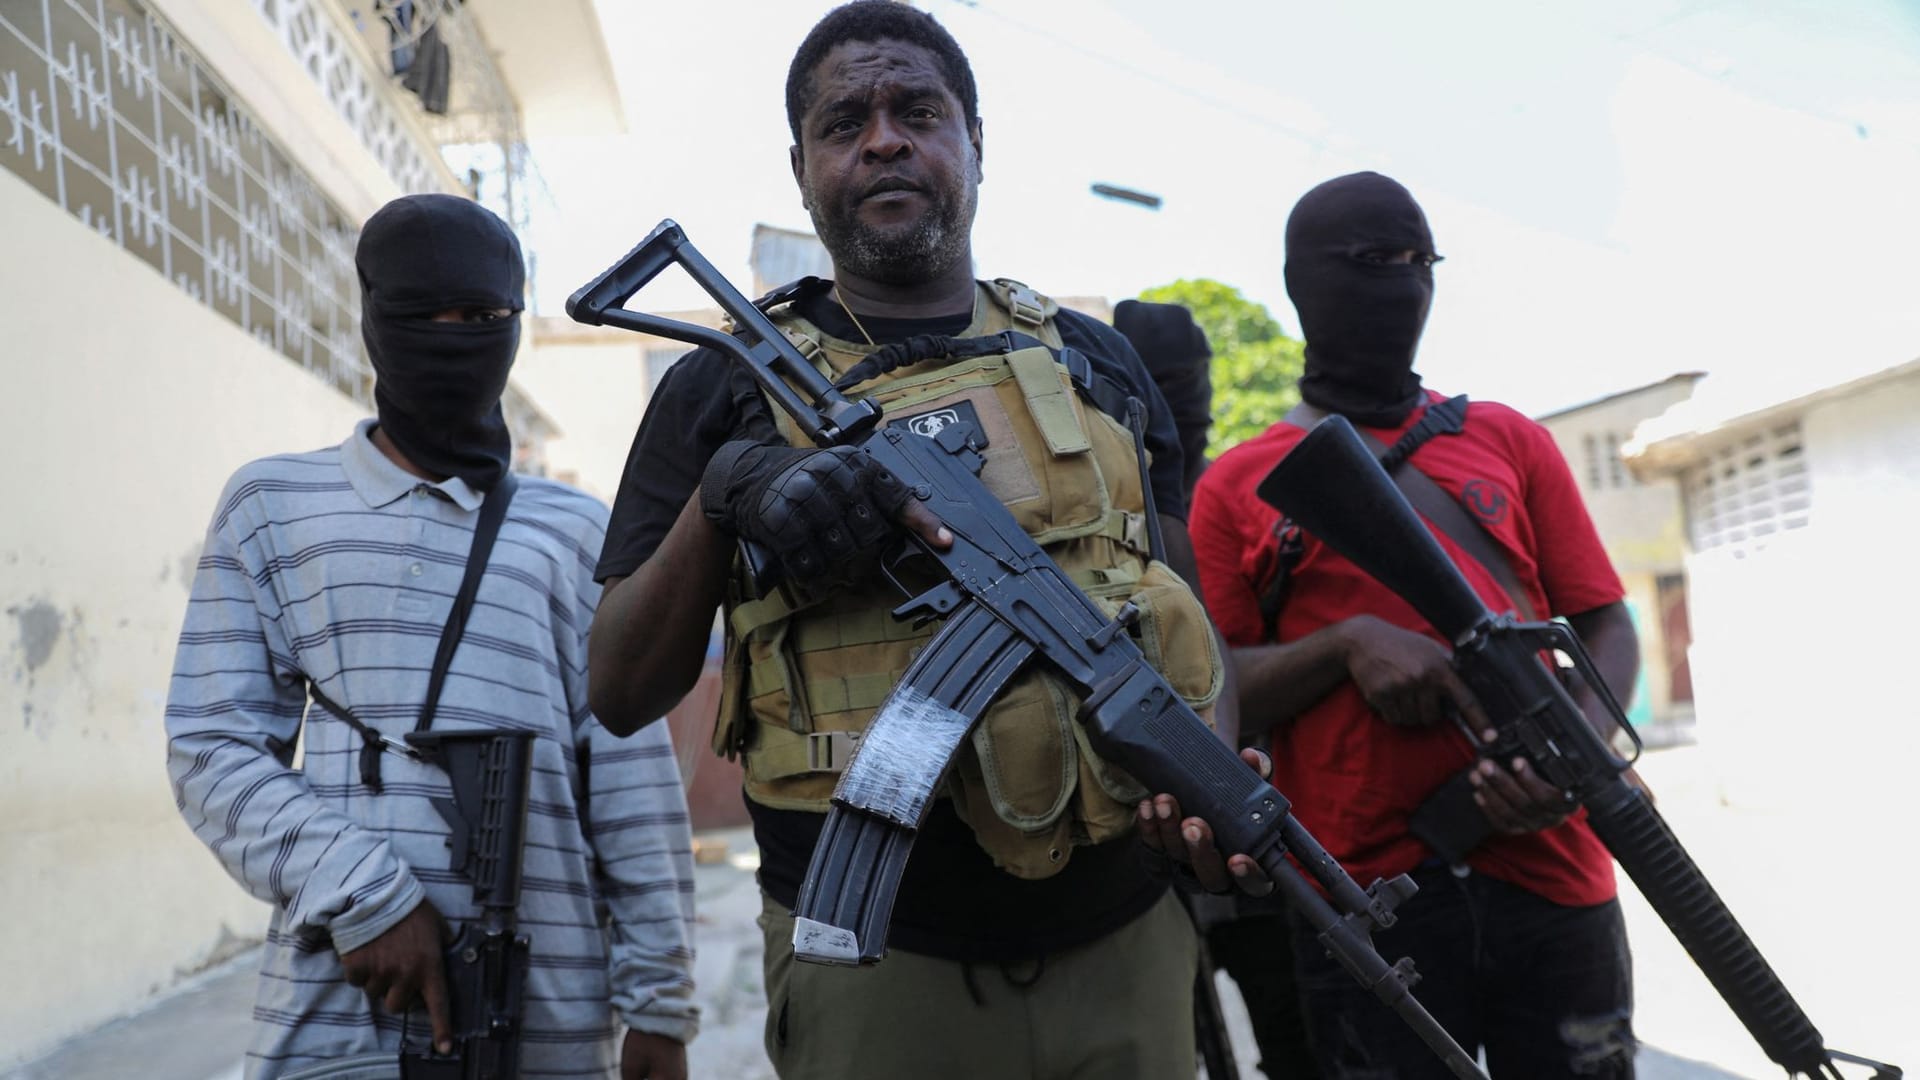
(1120, 1008)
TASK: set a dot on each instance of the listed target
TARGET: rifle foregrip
(1653, 857)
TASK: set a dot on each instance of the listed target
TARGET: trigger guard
(898, 552)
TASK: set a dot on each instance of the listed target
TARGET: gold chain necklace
(856, 319)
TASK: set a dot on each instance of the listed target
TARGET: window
(1746, 493)
(114, 119)
(1616, 465)
(1592, 448)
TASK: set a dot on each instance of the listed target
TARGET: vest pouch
(1177, 639)
(847, 654)
(730, 726)
(1051, 460)
(1016, 777)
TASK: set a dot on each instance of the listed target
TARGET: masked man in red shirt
(1519, 937)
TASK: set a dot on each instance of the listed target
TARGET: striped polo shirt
(339, 567)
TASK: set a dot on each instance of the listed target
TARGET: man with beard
(1519, 938)
(332, 574)
(1027, 939)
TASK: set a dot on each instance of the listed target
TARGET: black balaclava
(1362, 320)
(1176, 353)
(438, 384)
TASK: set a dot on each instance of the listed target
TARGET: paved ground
(1785, 873)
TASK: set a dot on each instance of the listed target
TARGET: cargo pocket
(1177, 640)
(1015, 780)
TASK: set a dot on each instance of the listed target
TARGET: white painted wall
(126, 406)
(1804, 651)
(1640, 522)
(595, 385)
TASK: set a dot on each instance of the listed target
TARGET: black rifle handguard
(1331, 485)
(488, 959)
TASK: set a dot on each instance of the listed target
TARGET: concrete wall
(1802, 650)
(596, 383)
(122, 424)
(1640, 522)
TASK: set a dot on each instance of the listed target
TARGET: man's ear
(977, 137)
(798, 162)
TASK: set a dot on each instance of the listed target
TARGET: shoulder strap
(1449, 517)
(1443, 510)
(492, 512)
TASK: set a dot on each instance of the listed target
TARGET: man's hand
(405, 966)
(1516, 800)
(1190, 841)
(652, 1057)
(818, 512)
(1406, 678)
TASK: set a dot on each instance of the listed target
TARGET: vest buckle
(830, 751)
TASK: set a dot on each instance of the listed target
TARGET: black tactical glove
(815, 511)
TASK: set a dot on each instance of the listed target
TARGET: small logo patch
(934, 421)
(1487, 500)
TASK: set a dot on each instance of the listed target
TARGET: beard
(904, 254)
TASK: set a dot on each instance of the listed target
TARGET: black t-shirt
(953, 902)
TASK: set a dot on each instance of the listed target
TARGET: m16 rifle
(1332, 487)
(487, 960)
(1002, 602)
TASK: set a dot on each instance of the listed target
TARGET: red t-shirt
(1353, 778)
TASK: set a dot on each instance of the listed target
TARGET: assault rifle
(487, 960)
(1003, 602)
(1334, 488)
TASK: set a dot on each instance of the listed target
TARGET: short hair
(878, 20)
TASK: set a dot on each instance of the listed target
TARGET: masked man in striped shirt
(328, 576)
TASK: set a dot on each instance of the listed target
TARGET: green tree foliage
(1256, 366)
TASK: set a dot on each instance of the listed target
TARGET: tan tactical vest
(804, 675)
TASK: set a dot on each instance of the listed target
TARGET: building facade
(1641, 525)
(182, 183)
(1799, 520)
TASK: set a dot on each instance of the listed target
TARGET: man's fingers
(1249, 876)
(1640, 785)
(920, 520)
(1208, 867)
(434, 988)
(1463, 700)
(1149, 834)
(1492, 790)
(1160, 826)
(1538, 791)
(375, 985)
(1258, 761)
(400, 995)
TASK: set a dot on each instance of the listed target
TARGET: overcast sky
(1623, 190)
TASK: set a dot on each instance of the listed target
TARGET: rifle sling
(492, 513)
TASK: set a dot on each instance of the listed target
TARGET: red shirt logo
(1485, 498)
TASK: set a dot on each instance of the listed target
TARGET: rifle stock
(1020, 604)
(1334, 488)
